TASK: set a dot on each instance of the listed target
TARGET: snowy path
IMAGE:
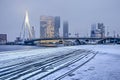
(105, 66)
(66, 63)
(29, 64)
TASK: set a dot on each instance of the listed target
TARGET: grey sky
(79, 13)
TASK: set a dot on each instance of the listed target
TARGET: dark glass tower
(65, 29)
(57, 26)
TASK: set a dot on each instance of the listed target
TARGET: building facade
(49, 26)
(3, 38)
(57, 26)
(98, 31)
(33, 32)
(65, 29)
(101, 28)
(93, 30)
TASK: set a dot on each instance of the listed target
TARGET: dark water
(16, 47)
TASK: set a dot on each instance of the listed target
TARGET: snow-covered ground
(105, 65)
(14, 57)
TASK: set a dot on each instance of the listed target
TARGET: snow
(105, 65)
(23, 53)
(66, 69)
(101, 48)
(14, 57)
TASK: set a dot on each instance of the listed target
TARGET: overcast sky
(79, 13)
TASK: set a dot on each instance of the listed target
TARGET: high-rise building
(33, 32)
(43, 26)
(57, 26)
(93, 30)
(49, 26)
(46, 27)
(65, 29)
(98, 30)
(101, 27)
(3, 38)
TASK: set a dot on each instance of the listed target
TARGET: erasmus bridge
(27, 35)
(26, 32)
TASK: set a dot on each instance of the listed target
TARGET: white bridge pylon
(27, 26)
(26, 30)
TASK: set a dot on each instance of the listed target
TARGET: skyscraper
(101, 27)
(65, 29)
(43, 26)
(33, 32)
(57, 26)
(93, 30)
(3, 38)
(98, 30)
(49, 26)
